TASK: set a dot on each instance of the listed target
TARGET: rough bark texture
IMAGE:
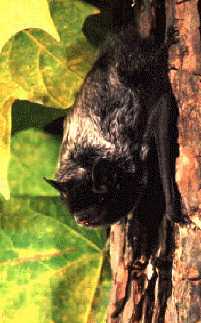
(185, 302)
(157, 267)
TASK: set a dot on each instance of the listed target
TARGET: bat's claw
(178, 218)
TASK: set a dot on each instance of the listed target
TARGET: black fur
(123, 112)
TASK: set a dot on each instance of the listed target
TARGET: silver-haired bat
(121, 115)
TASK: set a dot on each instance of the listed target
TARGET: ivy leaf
(51, 269)
(35, 67)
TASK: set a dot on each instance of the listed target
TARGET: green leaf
(35, 67)
(52, 270)
(34, 155)
(26, 115)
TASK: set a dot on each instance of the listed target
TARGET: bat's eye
(101, 198)
(64, 196)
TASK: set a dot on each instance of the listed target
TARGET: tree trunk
(156, 270)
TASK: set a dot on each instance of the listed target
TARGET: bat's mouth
(89, 218)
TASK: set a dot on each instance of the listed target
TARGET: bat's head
(98, 190)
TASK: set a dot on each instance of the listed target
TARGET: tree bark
(156, 266)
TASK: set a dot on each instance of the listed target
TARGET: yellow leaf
(23, 14)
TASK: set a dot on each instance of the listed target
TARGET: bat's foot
(173, 36)
(144, 152)
(177, 218)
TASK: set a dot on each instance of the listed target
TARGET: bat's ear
(59, 186)
(103, 175)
